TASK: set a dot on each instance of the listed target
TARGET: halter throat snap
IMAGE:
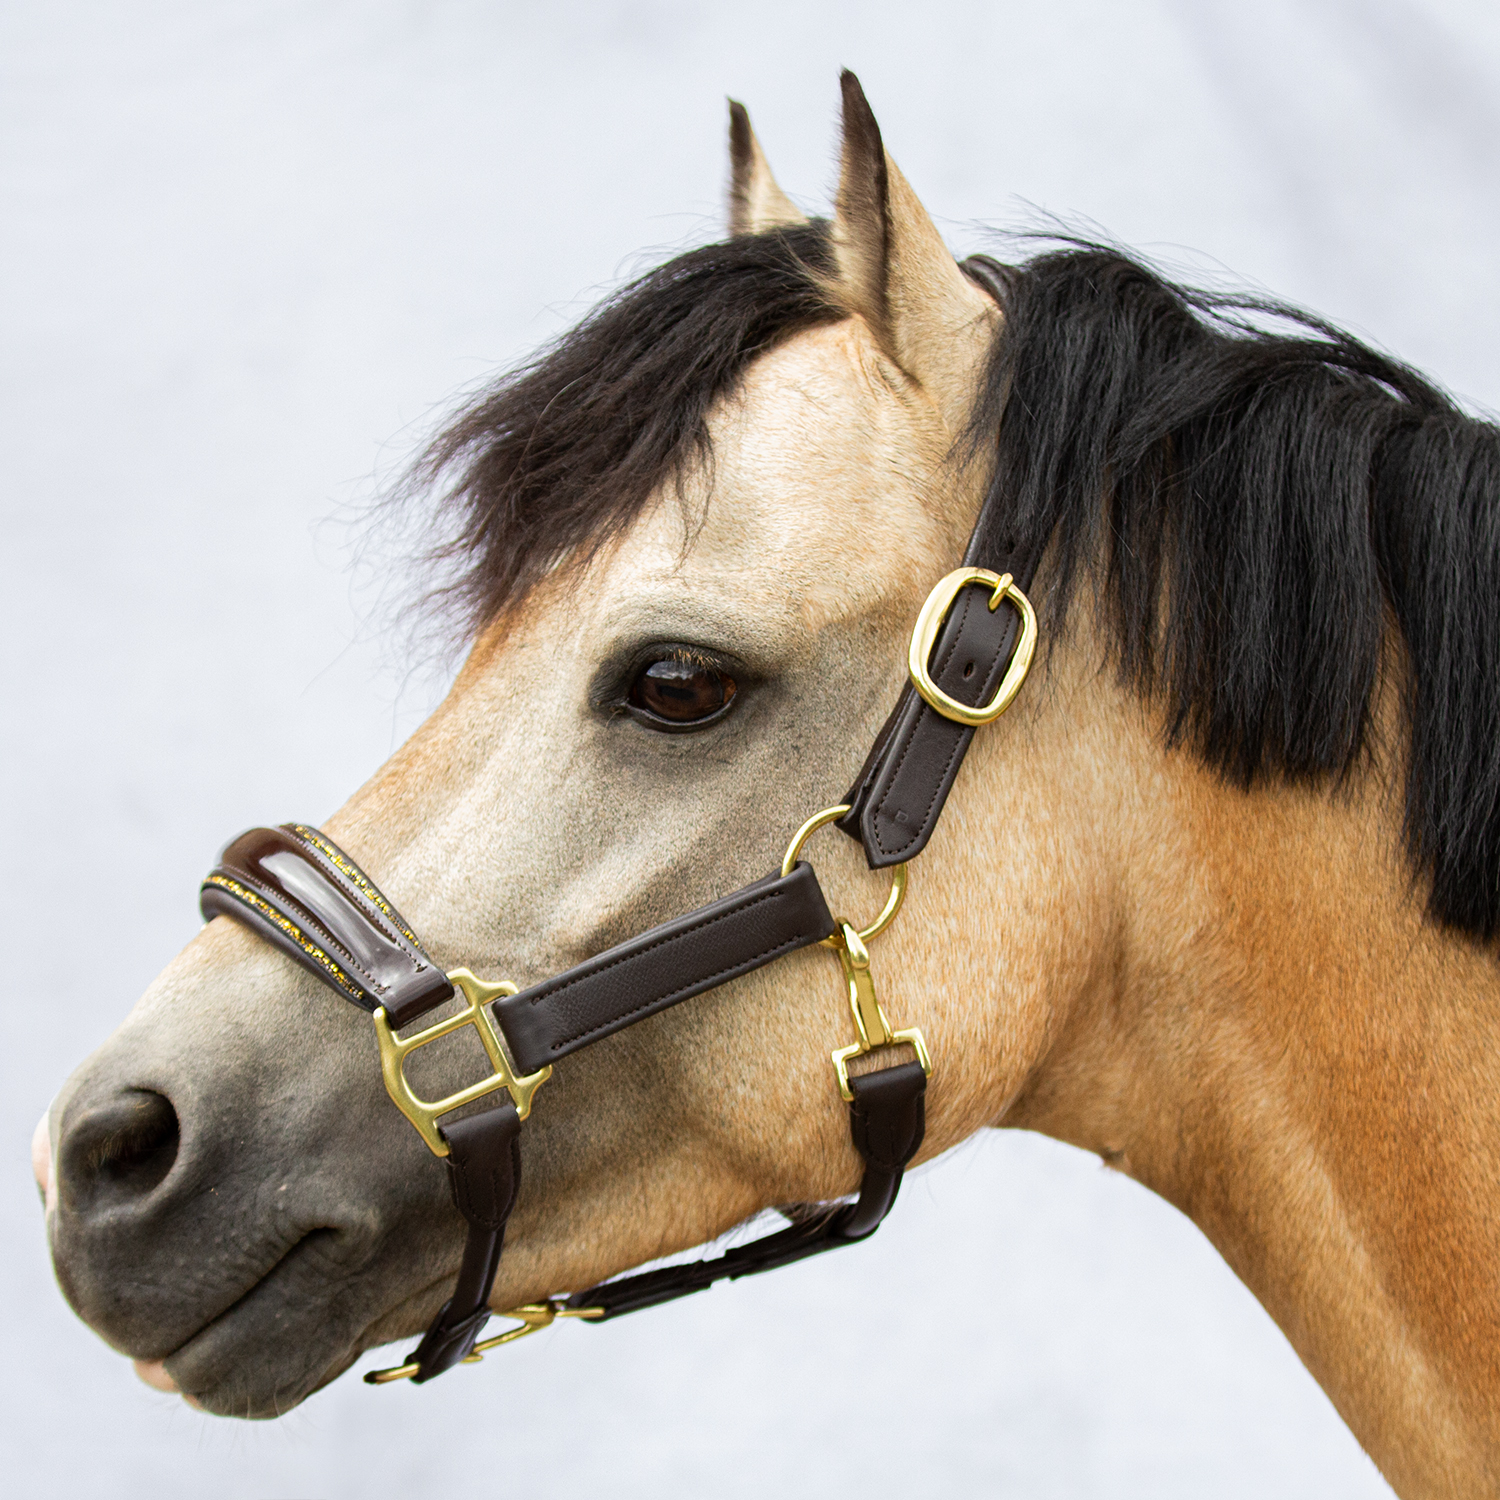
(294, 887)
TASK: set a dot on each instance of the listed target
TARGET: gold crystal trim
(355, 874)
(290, 928)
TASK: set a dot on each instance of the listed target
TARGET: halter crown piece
(294, 887)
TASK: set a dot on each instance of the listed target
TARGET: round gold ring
(898, 873)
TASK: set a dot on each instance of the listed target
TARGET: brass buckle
(425, 1113)
(531, 1317)
(898, 873)
(925, 633)
(869, 1019)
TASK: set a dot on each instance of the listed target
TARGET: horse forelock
(562, 455)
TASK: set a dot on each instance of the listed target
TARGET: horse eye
(677, 694)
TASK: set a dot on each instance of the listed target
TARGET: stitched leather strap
(673, 962)
(303, 894)
(899, 794)
(484, 1171)
(887, 1121)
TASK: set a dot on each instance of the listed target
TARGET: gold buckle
(532, 1317)
(898, 873)
(424, 1113)
(869, 1019)
(925, 633)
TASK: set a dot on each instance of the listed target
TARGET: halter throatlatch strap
(887, 1121)
(899, 794)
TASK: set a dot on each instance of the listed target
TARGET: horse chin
(275, 1345)
(272, 1348)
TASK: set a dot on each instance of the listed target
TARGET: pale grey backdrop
(249, 251)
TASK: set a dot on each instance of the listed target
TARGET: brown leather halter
(298, 890)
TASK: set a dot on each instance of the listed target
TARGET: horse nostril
(122, 1149)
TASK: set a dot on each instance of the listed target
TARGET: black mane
(1256, 494)
(1275, 498)
(563, 454)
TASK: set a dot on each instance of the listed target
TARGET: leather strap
(899, 794)
(673, 962)
(484, 1172)
(304, 895)
(886, 1120)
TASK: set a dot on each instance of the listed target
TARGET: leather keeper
(446, 1343)
(657, 969)
(303, 894)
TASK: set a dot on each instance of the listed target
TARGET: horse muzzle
(218, 1212)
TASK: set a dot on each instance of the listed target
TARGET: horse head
(1179, 911)
(664, 683)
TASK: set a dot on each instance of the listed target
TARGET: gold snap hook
(869, 1019)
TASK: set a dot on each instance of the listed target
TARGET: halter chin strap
(295, 888)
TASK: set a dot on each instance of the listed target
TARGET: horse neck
(1277, 1041)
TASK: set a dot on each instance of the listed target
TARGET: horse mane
(1257, 506)
(1255, 494)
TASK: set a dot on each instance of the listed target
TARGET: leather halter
(294, 887)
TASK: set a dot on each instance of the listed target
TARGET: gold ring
(898, 873)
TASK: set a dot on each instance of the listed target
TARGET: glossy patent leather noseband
(298, 890)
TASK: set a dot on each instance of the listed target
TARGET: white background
(250, 252)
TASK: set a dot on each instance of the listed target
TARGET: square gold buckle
(425, 1113)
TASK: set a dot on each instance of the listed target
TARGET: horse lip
(202, 1392)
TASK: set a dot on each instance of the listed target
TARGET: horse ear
(755, 201)
(895, 272)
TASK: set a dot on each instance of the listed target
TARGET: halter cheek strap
(981, 636)
(969, 654)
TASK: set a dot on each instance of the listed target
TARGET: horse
(1216, 899)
